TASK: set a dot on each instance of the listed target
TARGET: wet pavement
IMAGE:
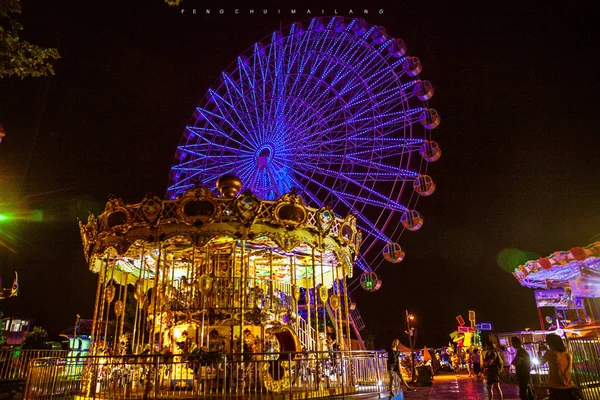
(455, 387)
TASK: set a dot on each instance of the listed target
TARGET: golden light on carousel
(232, 273)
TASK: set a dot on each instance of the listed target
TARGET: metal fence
(586, 366)
(282, 375)
(14, 362)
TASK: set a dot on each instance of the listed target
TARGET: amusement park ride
(303, 158)
(316, 121)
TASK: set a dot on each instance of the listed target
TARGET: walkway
(456, 387)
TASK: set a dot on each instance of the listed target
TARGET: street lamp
(410, 317)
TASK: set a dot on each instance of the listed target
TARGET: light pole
(410, 317)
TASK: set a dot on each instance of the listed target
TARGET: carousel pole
(155, 297)
(142, 325)
(315, 298)
(316, 303)
(307, 303)
(163, 279)
(339, 327)
(137, 306)
(122, 325)
(117, 321)
(231, 293)
(242, 295)
(98, 310)
(345, 314)
(271, 279)
(295, 298)
(112, 274)
(347, 319)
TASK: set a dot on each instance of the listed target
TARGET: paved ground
(456, 387)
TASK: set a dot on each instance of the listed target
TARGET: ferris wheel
(333, 108)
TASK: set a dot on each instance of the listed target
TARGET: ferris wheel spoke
(407, 117)
(360, 163)
(384, 201)
(394, 123)
(388, 204)
(209, 139)
(373, 230)
(237, 101)
(304, 190)
(207, 113)
(248, 78)
(211, 143)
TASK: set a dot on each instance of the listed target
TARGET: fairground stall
(566, 288)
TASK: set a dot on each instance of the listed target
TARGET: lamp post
(410, 317)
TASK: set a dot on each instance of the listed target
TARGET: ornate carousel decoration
(233, 274)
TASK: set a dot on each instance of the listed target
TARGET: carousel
(231, 274)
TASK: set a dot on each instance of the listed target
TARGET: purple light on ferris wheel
(332, 107)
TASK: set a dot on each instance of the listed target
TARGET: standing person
(493, 363)
(393, 365)
(522, 363)
(476, 362)
(454, 361)
(470, 362)
(505, 373)
(560, 363)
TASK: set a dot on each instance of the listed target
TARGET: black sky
(516, 86)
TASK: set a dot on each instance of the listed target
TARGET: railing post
(291, 375)
(225, 383)
(343, 371)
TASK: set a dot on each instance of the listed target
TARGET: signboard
(472, 316)
(551, 298)
(464, 329)
(460, 320)
(484, 326)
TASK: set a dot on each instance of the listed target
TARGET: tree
(19, 57)
(36, 339)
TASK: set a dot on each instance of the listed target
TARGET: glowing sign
(484, 326)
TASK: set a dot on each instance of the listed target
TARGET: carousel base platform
(331, 393)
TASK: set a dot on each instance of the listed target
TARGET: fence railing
(14, 362)
(586, 365)
(290, 375)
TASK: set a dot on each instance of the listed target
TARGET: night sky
(516, 86)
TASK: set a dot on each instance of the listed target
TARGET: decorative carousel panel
(325, 219)
(117, 219)
(198, 205)
(347, 230)
(290, 212)
(151, 208)
(247, 206)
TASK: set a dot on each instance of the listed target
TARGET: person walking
(476, 362)
(560, 363)
(493, 364)
(393, 365)
(522, 363)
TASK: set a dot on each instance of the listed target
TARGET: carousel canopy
(578, 268)
(279, 238)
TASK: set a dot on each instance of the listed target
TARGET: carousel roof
(274, 235)
(561, 268)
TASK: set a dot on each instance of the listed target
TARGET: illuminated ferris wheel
(333, 108)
